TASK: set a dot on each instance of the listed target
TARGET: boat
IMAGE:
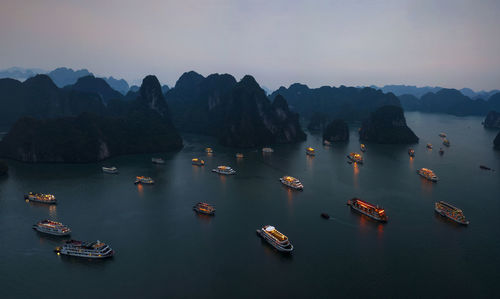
(326, 142)
(355, 157)
(92, 250)
(368, 209)
(143, 180)
(291, 182)
(204, 208)
(484, 167)
(239, 155)
(442, 135)
(267, 150)
(40, 197)
(197, 161)
(111, 170)
(310, 151)
(224, 170)
(428, 174)
(52, 228)
(325, 215)
(411, 152)
(429, 146)
(157, 161)
(447, 210)
(209, 150)
(363, 147)
(275, 238)
(441, 151)
(446, 142)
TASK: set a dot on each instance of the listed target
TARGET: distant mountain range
(418, 92)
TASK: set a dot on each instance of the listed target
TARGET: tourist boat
(428, 174)
(112, 170)
(325, 215)
(204, 208)
(446, 142)
(326, 142)
(157, 161)
(442, 135)
(275, 238)
(143, 180)
(310, 151)
(224, 170)
(267, 150)
(239, 155)
(40, 197)
(52, 228)
(92, 250)
(441, 151)
(368, 209)
(197, 161)
(291, 182)
(484, 167)
(209, 150)
(429, 146)
(411, 152)
(363, 147)
(447, 210)
(355, 157)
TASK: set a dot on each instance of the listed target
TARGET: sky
(449, 43)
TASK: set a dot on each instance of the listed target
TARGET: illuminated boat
(368, 209)
(310, 151)
(355, 157)
(92, 250)
(157, 161)
(442, 135)
(209, 150)
(224, 170)
(275, 238)
(239, 155)
(429, 146)
(363, 147)
(111, 170)
(428, 174)
(411, 152)
(204, 208)
(446, 142)
(197, 161)
(52, 228)
(447, 210)
(40, 197)
(267, 150)
(291, 182)
(144, 180)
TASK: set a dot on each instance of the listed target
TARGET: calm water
(165, 250)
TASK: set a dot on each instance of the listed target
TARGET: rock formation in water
(336, 131)
(387, 125)
(496, 142)
(492, 120)
(4, 168)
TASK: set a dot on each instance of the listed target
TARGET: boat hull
(442, 213)
(286, 249)
(52, 233)
(224, 173)
(384, 220)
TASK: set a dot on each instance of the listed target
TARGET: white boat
(428, 174)
(93, 250)
(111, 170)
(224, 170)
(41, 198)
(275, 238)
(157, 160)
(144, 180)
(267, 150)
(291, 182)
(52, 228)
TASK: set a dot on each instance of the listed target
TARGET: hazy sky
(451, 43)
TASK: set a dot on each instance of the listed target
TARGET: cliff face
(496, 142)
(336, 131)
(99, 86)
(4, 169)
(387, 125)
(492, 120)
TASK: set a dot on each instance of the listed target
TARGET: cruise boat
(209, 150)
(428, 174)
(112, 170)
(363, 147)
(275, 238)
(157, 161)
(143, 180)
(411, 152)
(204, 208)
(446, 142)
(92, 250)
(224, 170)
(310, 151)
(442, 135)
(52, 228)
(239, 155)
(429, 146)
(449, 211)
(368, 209)
(292, 182)
(40, 197)
(355, 157)
(267, 150)
(197, 161)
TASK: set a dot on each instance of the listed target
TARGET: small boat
(363, 147)
(111, 170)
(197, 161)
(267, 150)
(441, 151)
(446, 142)
(355, 157)
(204, 208)
(484, 167)
(224, 170)
(292, 182)
(92, 250)
(157, 161)
(143, 180)
(326, 142)
(411, 152)
(310, 151)
(239, 155)
(368, 209)
(275, 238)
(442, 135)
(40, 197)
(429, 146)
(325, 215)
(447, 210)
(52, 228)
(428, 174)
(209, 150)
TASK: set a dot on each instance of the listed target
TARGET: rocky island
(4, 168)
(336, 131)
(492, 120)
(496, 142)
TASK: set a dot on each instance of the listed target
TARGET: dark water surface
(165, 250)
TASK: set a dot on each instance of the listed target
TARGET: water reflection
(310, 160)
(269, 250)
(426, 186)
(53, 212)
(204, 218)
(355, 168)
(412, 159)
(140, 189)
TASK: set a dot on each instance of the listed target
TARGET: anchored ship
(362, 147)
(368, 209)
(429, 146)
(197, 161)
(111, 170)
(446, 142)
(40, 197)
(428, 174)
(204, 208)
(143, 180)
(93, 250)
(157, 161)
(411, 152)
(239, 155)
(355, 157)
(224, 170)
(209, 150)
(292, 182)
(267, 150)
(447, 210)
(275, 238)
(310, 151)
(52, 228)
